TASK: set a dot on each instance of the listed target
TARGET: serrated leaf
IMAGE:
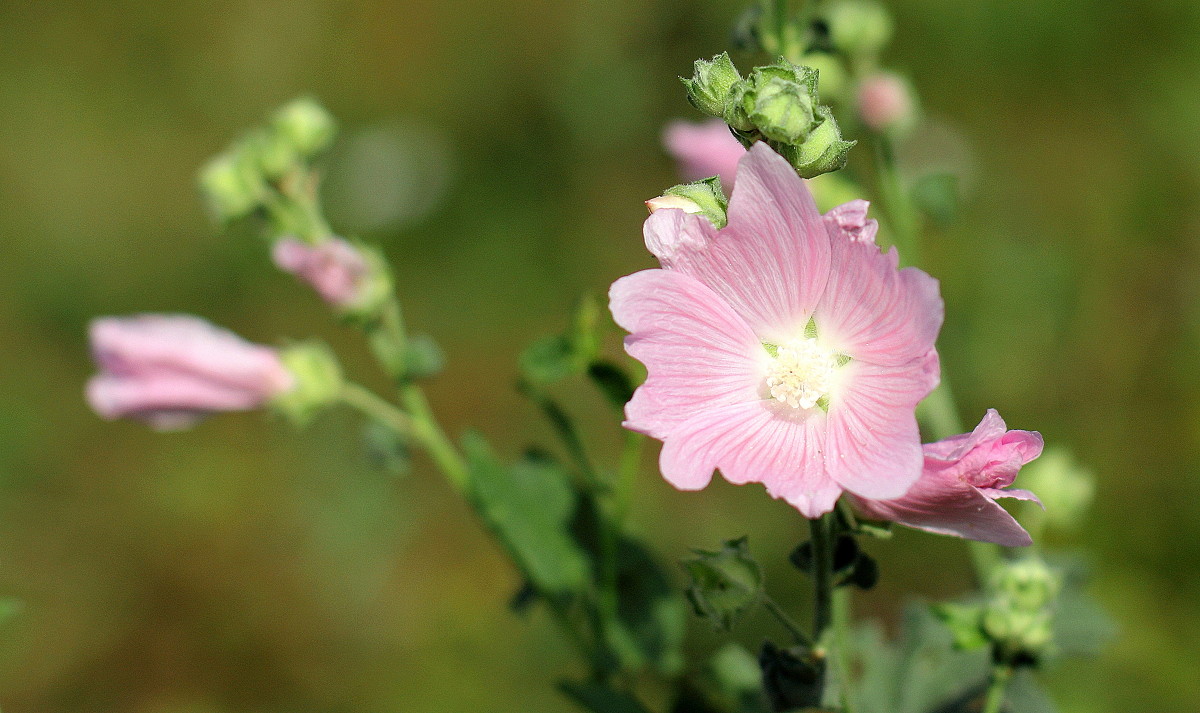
(529, 506)
(724, 584)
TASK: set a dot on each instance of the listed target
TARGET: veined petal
(753, 442)
(874, 446)
(944, 504)
(770, 263)
(874, 312)
(698, 353)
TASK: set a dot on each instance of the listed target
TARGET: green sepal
(708, 88)
(529, 506)
(822, 151)
(724, 584)
(709, 197)
(318, 381)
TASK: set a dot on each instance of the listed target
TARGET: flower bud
(781, 110)
(708, 89)
(1028, 583)
(1018, 617)
(172, 370)
(317, 378)
(885, 103)
(858, 27)
(305, 126)
(351, 279)
(232, 185)
(823, 150)
(705, 197)
(1063, 485)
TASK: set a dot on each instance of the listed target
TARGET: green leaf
(964, 622)
(529, 506)
(724, 584)
(548, 360)
(599, 698)
(651, 616)
(423, 357)
(612, 381)
(1025, 695)
(387, 449)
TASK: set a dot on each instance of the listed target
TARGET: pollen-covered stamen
(802, 372)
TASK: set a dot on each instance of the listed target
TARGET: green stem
(899, 208)
(822, 545)
(841, 646)
(433, 438)
(781, 18)
(793, 628)
(1001, 675)
(627, 470)
(376, 407)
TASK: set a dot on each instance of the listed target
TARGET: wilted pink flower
(963, 477)
(704, 149)
(334, 268)
(784, 348)
(171, 370)
(885, 102)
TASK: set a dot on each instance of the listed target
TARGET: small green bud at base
(708, 89)
(704, 197)
(232, 186)
(304, 126)
(318, 382)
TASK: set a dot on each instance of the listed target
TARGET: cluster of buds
(1018, 617)
(777, 104)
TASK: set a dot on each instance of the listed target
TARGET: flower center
(801, 374)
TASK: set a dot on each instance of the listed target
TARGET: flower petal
(699, 354)
(849, 221)
(874, 312)
(874, 446)
(753, 442)
(944, 504)
(770, 263)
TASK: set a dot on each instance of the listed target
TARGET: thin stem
(431, 435)
(376, 407)
(841, 646)
(781, 17)
(997, 684)
(822, 545)
(900, 209)
(793, 628)
(627, 470)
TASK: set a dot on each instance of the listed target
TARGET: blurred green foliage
(500, 153)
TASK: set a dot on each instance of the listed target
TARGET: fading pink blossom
(963, 477)
(704, 149)
(784, 349)
(335, 268)
(172, 370)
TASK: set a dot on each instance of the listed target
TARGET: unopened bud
(885, 103)
(704, 197)
(858, 27)
(781, 110)
(684, 204)
(305, 126)
(318, 381)
(232, 185)
(708, 89)
(823, 150)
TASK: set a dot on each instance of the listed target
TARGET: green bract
(318, 381)
(708, 89)
(708, 196)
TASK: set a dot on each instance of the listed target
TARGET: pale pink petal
(849, 221)
(988, 457)
(770, 263)
(944, 504)
(698, 352)
(704, 149)
(753, 442)
(334, 268)
(874, 445)
(873, 312)
(1014, 493)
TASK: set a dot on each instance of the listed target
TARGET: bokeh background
(500, 152)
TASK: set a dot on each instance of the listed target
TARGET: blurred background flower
(500, 154)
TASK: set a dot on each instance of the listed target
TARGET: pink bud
(172, 370)
(334, 268)
(962, 478)
(703, 150)
(885, 102)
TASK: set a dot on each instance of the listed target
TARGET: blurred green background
(500, 153)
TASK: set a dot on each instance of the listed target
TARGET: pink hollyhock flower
(171, 370)
(334, 268)
(704, 149)
(963, 477)
(784, 348)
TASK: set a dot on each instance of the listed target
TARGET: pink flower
(963, 477)
(334, 268)
(885, 102)
(703, 150)
(171, 370)
(784, 348)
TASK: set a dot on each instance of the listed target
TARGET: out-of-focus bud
(305, 126)
(317, 379)
(708, 89)
(350, 278)
(1028, 583)
(822, 151)
(1064, 486)
(232, 184)
(1018, 617)
(858, 27)
(831, 73)
(173, 370)
(885, 103)
(724, 583)
(704, 197)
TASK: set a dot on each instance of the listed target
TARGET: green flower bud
(304, 126)
(782, 110)
(1064, 486)
(708, 89)
(724, 584)
(705, 197)
(274, 156)
(858, 27)
(822, 151)
(232, 185)
(318, 381)
(1027, 583)
(834, 79)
